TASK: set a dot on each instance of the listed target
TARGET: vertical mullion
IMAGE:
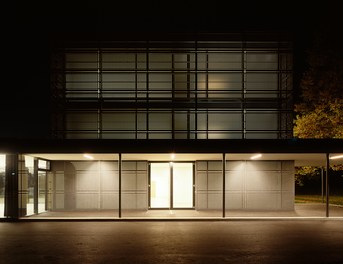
(171, 186)
(173, 97)
(147, 91)
(120, 175)
(224, 169)
(196, 91)
(136, 96)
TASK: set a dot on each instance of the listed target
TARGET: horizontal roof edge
(168, 146)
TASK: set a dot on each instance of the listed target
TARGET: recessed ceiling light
(337, 157)
(88, 156)
(256, 156)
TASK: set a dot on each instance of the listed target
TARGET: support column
(224, 168)
(327, 184)
(119, 173)
(11, 187)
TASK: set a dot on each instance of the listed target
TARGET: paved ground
(250, 241)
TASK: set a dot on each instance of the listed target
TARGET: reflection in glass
(2, 184)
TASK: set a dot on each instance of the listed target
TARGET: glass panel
(2, 183)
(29, 171)
(160, 61)
(262, 85)
(182, 185)
(226, 61)
(123, 61)
(81, 60)
(42, 191)
(160, 185)
(262, 61)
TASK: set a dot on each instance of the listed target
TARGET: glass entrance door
(171, 185)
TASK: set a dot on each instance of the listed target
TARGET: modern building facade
(198, 126)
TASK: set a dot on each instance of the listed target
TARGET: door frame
(171, 186)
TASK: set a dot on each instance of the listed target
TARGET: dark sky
(34, 23)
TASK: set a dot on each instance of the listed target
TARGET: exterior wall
(252, 185)
(259, 185)
(174, 90)
(80, 185)
(135, 185)
(209, 185)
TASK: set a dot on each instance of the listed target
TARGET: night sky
(35, 23)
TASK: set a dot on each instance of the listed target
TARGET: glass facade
(2, 184)
(174, 90)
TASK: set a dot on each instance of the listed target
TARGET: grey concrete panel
(263, 180)
(85, 165)
(109, 166)
(201, 200)
(87, 200)
(215, 165)
(59, 181)
(129, 165)
(201, 165)
(287, 181)
(89, 180)
(263, 165)
(128, 181)
(142, 181)
(233, 200)
(59, 201)
(201, 180)
(215, 200)
(109, 180)
(109, 201)
(235, 166)
(142, 165)
(215, 180)
(234, 181)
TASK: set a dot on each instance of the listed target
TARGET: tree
(319, 113)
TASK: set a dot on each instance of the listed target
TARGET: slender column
(327, 184)
(119, 173)
(224, 168)
(36, 187)
(322, 180)
(11, 187)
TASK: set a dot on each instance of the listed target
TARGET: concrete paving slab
(254, 241)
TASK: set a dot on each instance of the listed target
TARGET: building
(186, 125)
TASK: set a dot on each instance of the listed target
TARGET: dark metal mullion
(149, 185)
(207, 126)
(136, 96)
(193, 202)
(243, 110)
(173, 97)
(196, 91)
(188, 94)
(224, 169)
(120, 175)
(327, 213)
(279, 95)
(36, 186)
(171, 178)
(147, 92)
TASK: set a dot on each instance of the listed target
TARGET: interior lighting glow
(172, 156)
(337, 157)
(88, 156)
(256, 156)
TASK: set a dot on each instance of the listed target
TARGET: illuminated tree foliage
(319, 114)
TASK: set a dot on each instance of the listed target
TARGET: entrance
(171, 185)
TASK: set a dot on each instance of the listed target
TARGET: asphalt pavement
(234, 241)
